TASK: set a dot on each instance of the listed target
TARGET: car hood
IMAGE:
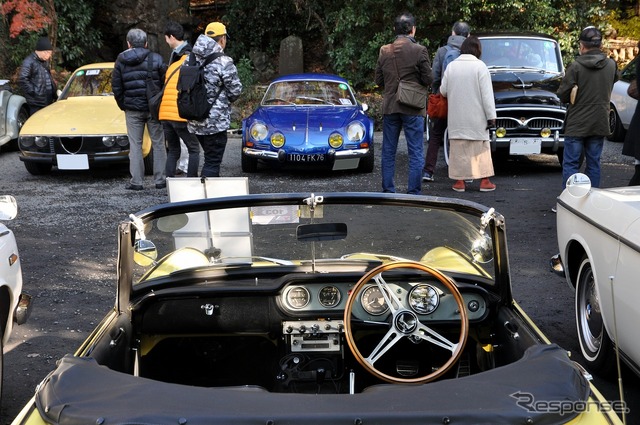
(90, 115)
(285, 118)
(525, 86)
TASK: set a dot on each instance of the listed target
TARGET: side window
(629, 72)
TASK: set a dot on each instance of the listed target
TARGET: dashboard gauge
(424, 299)
(298, 297)
(372, 300)
(329, 296)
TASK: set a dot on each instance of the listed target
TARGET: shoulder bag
(438, 106)
(410, 93)
(632, 90)
(154, 96)
(156, 99)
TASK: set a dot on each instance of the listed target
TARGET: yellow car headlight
(335, 140)
(277, 140)
(355, 131)
(501, 132)
(545, 132)
(258, 131)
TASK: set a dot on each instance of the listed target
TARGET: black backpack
(192, 92)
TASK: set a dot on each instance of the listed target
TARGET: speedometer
(424, 299)
(298, 297)
(372, 301)
(329, 296)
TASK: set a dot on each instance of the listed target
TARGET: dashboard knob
(302, 329)
(289, 329)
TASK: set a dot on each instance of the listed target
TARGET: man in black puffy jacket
(129, 84)
(35, 79)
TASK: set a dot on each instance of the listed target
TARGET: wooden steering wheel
(405, 323)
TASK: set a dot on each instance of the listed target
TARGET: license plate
(72, 162)
(525, 146)
(299, 157)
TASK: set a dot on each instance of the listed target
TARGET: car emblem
(406, 322)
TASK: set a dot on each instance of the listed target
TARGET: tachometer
(298, 297)
(424, 299)
(329, 296)
(372, 301)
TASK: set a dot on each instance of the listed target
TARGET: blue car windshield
(309, 92)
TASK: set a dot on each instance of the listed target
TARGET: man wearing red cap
(35, 79)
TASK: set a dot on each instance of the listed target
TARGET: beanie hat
(43, 44)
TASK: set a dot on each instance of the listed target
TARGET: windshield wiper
(250, 260)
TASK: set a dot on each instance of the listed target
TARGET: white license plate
(72, 162)
(299, 157)
(525, 146)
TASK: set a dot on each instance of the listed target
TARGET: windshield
(288, 235)
(89, 82)
(309, 92)
(538, 53)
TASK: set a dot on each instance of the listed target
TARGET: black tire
(560, 154)
(367, 163)
(37, 168)
(148, 164)
(616, 130)
(595, 344)
(1, 365)
(249, 165)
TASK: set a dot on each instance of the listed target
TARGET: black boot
(635, 180)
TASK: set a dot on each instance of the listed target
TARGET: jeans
(574, 147)
(213, 146)
(136, 120)
(173, 132)
(413, 126)
(436, 137)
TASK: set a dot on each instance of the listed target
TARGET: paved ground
(66, 232)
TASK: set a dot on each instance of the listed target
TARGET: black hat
(591, 36)
(43, 44)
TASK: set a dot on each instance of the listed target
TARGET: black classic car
(526, 70)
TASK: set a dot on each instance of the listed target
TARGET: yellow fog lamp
(545, 132)
(277, 140)
(335, 140)
(501, 132)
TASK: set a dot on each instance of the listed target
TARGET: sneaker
(161, 185)
(130, 186)
(427, 177)
(458, 186)
(554, 210)
(487, 186)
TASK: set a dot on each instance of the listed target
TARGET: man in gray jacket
(587, 121)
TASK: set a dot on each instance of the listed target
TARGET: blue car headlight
(258, 131)
(355, 131)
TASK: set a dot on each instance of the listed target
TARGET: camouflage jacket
(220, 72)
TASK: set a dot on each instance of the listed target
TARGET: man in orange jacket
(175, 127)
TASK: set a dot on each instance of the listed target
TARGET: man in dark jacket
(406, 60)
(174, 36)
(587, 121)
(129, 84)
(35, 79)
(459, 33)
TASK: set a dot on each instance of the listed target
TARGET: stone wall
(622, 50)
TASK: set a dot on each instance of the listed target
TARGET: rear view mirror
(578, 185)
(8, 207)
(321, 232)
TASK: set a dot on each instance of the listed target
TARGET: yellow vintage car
(303, 308)
(84, 128)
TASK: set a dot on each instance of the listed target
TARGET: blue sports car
(310, 120)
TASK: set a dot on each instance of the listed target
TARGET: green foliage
(78, 39)
(626, 24)
(245, 72)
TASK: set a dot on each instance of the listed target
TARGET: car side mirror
(365, 107)
(578, 185)
(8, 207)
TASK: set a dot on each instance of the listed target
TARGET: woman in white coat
(466, 84)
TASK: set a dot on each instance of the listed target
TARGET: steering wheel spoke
(429, 335)
(388, 341)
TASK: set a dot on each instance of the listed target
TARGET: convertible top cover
(537, 389)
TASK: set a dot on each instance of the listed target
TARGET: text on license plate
(299, 157)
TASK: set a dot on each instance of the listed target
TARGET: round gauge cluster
(298, 297)
(423, 299)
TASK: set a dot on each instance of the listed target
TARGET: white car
(622, 105)
(599, 239)
(14, 305)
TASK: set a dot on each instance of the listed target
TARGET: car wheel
(616, 130)
(37, 168)
(148, 164)
(1, 366)
(367, 163)
(249, 165)
(595, 344)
